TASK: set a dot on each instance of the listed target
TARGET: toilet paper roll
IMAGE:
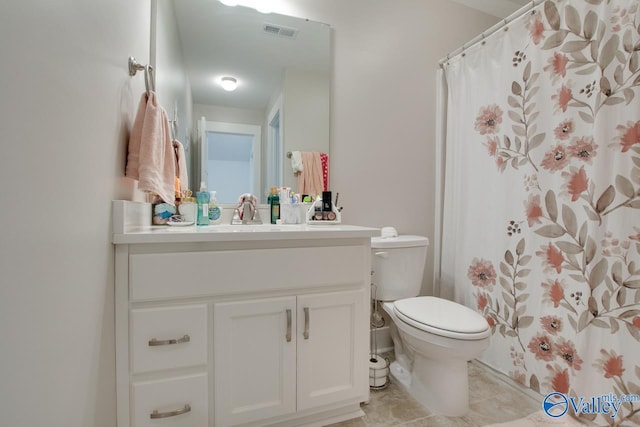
(378, 372)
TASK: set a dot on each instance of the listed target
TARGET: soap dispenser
(214, 209)
(203, 197)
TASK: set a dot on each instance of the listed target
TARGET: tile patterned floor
(492, 399)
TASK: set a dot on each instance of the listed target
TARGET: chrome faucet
(250, 213)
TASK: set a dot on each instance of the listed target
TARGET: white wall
(66, 104)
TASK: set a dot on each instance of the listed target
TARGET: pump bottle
(214, 209)
(202, 198)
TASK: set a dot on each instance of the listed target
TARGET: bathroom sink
(248, 228)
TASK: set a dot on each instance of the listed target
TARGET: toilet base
(400, 374)
(441, 387)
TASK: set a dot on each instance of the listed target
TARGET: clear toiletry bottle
(203, 197)
(214, 209)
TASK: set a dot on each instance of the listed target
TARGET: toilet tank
(398, 266)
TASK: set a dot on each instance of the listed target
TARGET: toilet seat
(442, 317)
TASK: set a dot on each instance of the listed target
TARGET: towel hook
(149, 79)
(134, 67)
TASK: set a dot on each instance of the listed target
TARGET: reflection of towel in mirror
(310, 180)
(296, 161)
(324, 158)
(181, 165)
(151, 159)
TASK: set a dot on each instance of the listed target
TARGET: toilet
(433, 338)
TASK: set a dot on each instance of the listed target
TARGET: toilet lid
(429, 313)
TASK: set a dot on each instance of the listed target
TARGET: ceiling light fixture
(229, 83)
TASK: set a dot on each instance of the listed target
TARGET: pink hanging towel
(151, 158)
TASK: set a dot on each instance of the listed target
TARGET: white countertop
(225, 233)
(131, 225)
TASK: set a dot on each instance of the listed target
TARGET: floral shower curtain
(541, 210)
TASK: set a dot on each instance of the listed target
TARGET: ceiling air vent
(279, 30)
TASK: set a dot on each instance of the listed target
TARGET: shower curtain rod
(497, 27)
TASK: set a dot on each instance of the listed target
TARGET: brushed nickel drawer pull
(306, 323)
(154, 342)
(155, 414)
(288, 336)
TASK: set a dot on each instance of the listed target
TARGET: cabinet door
(332, 348)
(254, 360)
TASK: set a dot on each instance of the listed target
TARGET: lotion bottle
(203, 197)
(214, 209)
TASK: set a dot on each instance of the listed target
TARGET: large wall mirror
(237, 141)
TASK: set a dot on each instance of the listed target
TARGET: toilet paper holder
(378, 365)
(378, 372)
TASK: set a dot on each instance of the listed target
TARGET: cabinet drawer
(161, 276)
(179, 402)
(168, 337)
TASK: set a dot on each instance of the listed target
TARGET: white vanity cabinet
(224, 326)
